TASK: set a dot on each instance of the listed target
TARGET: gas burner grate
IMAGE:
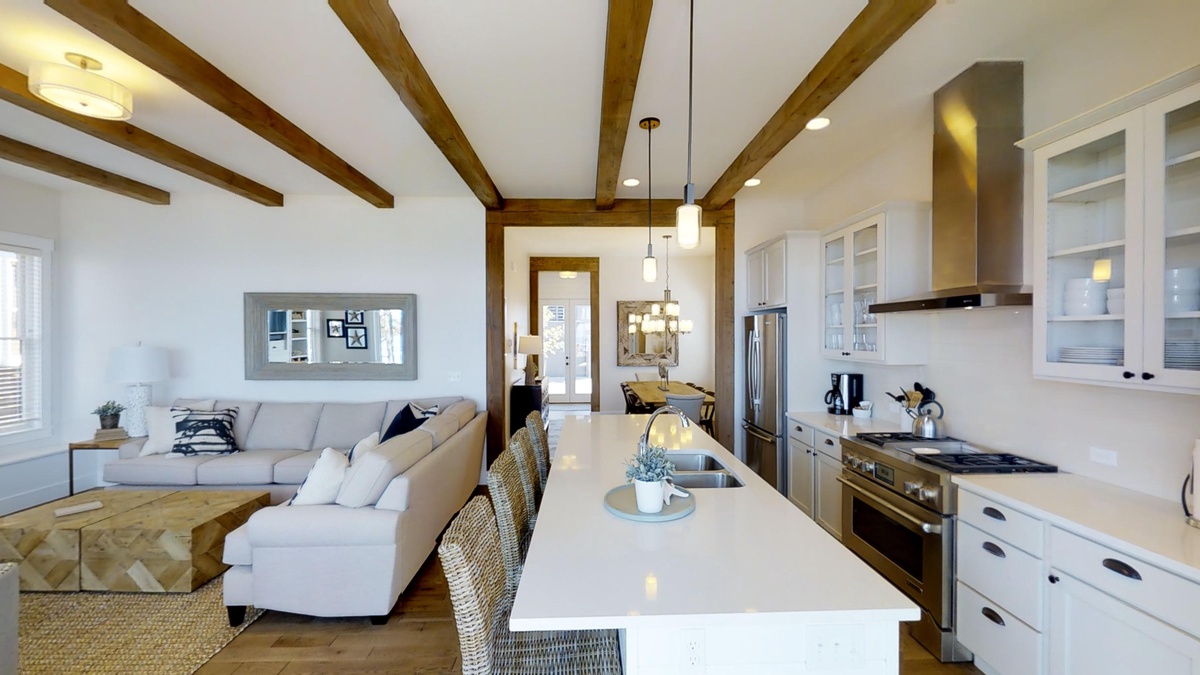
(882, 437)
(987, 463)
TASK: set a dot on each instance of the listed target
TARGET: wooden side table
(88, 445)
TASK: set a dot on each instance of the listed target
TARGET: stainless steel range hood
(978, 178)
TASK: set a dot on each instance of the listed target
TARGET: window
(24, 324)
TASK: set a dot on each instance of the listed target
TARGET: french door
(566, 332)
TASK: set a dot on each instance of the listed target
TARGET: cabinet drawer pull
(993, 513)
(992, 616)
(799, 428)
(828, 442)
(994, 549)
(1122, 568)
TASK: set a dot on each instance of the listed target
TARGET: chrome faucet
(645, 440)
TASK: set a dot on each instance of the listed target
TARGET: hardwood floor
(420, 637)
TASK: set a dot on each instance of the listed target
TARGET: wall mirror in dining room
(330, 336)
(636, 347)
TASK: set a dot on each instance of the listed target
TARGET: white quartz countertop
(844, 425)
(746, 556)
(1141, 525)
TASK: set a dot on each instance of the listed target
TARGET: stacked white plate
(1182, 286)
(1097, 356)
(1085, 297)
(1183, 354)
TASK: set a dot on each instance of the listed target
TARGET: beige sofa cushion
(441, 427)
(294, 469)
(242, 468)
(284, 426)
(344, 424)
(170, 469)
(462, 412)
(394, 407)
(370, 474)
(246, 411)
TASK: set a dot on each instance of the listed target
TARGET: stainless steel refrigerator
(763, 424)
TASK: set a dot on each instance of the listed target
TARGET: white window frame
(45, 248)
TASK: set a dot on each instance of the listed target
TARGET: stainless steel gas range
(898, 514)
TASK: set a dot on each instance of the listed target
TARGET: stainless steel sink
(706, 479)
(694, 461)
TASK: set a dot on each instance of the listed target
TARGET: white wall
(980, 362)
(34, 472)
(620, 251)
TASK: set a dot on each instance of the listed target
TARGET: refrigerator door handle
(758, 372)
(757, 434)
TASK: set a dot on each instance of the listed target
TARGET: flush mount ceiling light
(753, 182)
(567, 275)
(687, 216)
(631, 182)
(78, 89)
(817, 123)
(649, 264)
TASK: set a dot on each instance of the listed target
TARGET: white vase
(649, 495)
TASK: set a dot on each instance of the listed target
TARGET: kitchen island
(745, 584)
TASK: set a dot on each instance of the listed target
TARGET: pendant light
(649, 264)
(687, 216)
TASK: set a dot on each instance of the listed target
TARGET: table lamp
(530, 345)
(137, 367)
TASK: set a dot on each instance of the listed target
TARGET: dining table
(651, 395)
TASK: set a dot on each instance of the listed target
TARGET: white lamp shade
(137, 365)
(80, 91)
(687, 225)
(529, 344)
(649, 269)
(685, 325)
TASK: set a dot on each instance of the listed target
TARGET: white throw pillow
(324, 479)
(364, 446)
(160, 431)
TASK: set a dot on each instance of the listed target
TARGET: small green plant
(109, 408)
(649, 464)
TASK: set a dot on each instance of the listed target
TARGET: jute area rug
(151, 633)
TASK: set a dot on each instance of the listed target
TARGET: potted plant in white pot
(110, 414)
(649, 470)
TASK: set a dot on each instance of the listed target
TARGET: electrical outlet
(1102, 456)
(454, 376)
(692, 649)
(837, 647)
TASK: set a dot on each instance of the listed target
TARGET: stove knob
(868, 466)
(911, 487)
(856, 462)
(928, 494)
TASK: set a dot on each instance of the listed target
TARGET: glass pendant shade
(649, 269)
(80, 91)
(655, 309)
(687, 225)
(673, 309)
(685, 325)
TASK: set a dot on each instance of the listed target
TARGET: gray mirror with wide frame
(330, 336)
(638, 348)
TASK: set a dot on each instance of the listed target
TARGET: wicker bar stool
(512, 515)
(469, 554)
(531, 478)
(541, 444)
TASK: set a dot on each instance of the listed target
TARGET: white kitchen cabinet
(879, 255)
(1093, 633)
(801, 461)
(766, 275)
(1119, 202)
(828, 502)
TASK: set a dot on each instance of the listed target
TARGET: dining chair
(633, 403)
(470, 555)
(541, 443)
(512, 515)
(531, 479)
(706, 416)
(690, 404)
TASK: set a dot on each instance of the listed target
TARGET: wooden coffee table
(147, 541)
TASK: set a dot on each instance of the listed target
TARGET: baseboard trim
(34, 497)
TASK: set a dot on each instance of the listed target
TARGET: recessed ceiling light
(753, 182)
(817, 123)
(631, 182)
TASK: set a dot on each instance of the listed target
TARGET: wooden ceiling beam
(127, 29)
(876, 28)
(628, 21)
(14, 88)
(44, 160)
(377, 30)
(585, 213)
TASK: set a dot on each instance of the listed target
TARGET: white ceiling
(523, 78)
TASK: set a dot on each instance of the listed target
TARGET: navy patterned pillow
(410, 417)
(204, 433)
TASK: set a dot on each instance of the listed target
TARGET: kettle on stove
(925, 425)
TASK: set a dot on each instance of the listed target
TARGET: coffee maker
(846, 394)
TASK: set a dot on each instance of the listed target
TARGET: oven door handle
(927, 528)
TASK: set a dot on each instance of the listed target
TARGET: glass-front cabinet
(1117, 248)
(856, 269)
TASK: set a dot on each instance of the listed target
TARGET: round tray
(622, 502)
